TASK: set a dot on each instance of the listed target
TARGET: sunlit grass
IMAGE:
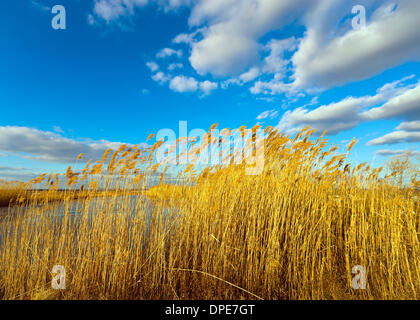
(294, 231)
(10, 191)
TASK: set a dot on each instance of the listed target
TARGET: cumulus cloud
(47, 146)
(114, 10)
(272, 87)
(161, 77)
(218, 54)
(187, 38)
(168, 52)
(389, 39)
(334, 117)
(276, 62)
(230, 38)
(183, 84)
(189, 84)
(250, 75)
(245, 77)
(231, 31)
(110, 10)
(329, 54)
(406, 106)
(207, 86)
(153, 66)
(349, 112)
(174, 66)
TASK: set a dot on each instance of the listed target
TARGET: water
(133, 206)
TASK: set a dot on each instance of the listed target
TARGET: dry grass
(292, 232)
(10, 191)
(17, 193)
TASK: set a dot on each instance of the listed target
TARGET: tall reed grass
(294, 231)
(10, 191)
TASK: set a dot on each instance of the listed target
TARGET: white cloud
(184, 38)
(110, 10)
(406, 105)
(388, 40)
(347, 113)
(231, 30)
(273, 87)
(161, 77)
(168, 52)
(188, 84)
(409, 126)
(396, 137)
(334, 117)
(169, 5)
(268, 114)
(50, 147)
(250, 75)
(174, 66)
(18, 173)
(225, 40)
(207, 86)
(153, 66)
(330, 53)
(114, 10)
(245, 77)
(390, 152)
(218, 54)
(91, 20)
(406, 132)
(276, 62)
(183, 84)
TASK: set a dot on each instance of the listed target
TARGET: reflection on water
(71, 214)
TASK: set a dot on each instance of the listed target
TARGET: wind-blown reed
(294, 231)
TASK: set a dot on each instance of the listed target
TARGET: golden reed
(294, 231)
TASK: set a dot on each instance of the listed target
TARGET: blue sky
(123, 69)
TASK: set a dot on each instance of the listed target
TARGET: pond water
(134, 206)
